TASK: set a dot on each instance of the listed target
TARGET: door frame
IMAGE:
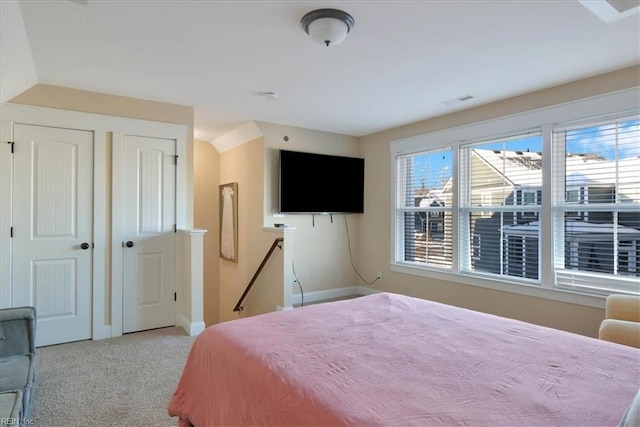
(106, 310)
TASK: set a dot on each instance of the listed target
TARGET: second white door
(149, 241)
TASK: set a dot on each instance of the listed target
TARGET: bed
(392, 360)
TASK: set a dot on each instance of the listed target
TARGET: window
(529, 197)
(485, 200)
(504, 240)
(544, 199)
(423, 205)
(574, 196)
(599, 164)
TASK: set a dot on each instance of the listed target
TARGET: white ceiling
(400, 61)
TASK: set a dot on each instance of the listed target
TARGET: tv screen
(319, 183)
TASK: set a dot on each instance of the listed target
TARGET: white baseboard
(332, 294)
(366, 290)
(192, 328)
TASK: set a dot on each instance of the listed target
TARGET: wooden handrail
(277, 242)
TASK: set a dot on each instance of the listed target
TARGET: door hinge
(175, 296)
(175, 160)
(12, 145)
(175, 228)
(11, 232)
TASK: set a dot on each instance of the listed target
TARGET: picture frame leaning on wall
(229, 221)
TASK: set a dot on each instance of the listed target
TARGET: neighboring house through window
(598, 219)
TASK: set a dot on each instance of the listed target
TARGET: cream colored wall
(266, 293)
(101, 103)
(321, 255)
(375, 237)
(206, 179)
(245, 165)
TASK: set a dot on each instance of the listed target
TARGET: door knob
(129, 244)
(84, 245)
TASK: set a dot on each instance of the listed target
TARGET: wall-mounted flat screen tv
(319, 183)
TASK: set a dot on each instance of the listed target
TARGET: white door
(52, 230)
(149, 233)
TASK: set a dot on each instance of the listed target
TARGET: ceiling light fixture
(327, 26)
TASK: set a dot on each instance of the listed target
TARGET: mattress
(393, 360)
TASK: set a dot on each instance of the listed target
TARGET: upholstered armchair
(622, 320)
(17, 360)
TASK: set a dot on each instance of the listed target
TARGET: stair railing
(276, 243)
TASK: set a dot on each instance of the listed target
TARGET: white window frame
(401, 209)
(625, 102)
(578, 279)
(466, 208)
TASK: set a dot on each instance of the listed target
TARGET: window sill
(589, 300)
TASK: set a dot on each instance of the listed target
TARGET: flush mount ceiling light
(327, 26)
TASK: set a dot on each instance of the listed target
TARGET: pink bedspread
(391, 360)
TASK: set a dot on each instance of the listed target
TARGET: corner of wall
(206, 177)
(17, 68)
(240, 135)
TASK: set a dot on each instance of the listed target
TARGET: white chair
(622, 320)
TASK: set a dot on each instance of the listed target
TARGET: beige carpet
(125, 381)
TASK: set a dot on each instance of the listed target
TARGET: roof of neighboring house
(523, 169)
(433, 198)
(576, 229)
(519, 168)
(582, 172)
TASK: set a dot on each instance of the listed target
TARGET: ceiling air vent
(459, 99)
